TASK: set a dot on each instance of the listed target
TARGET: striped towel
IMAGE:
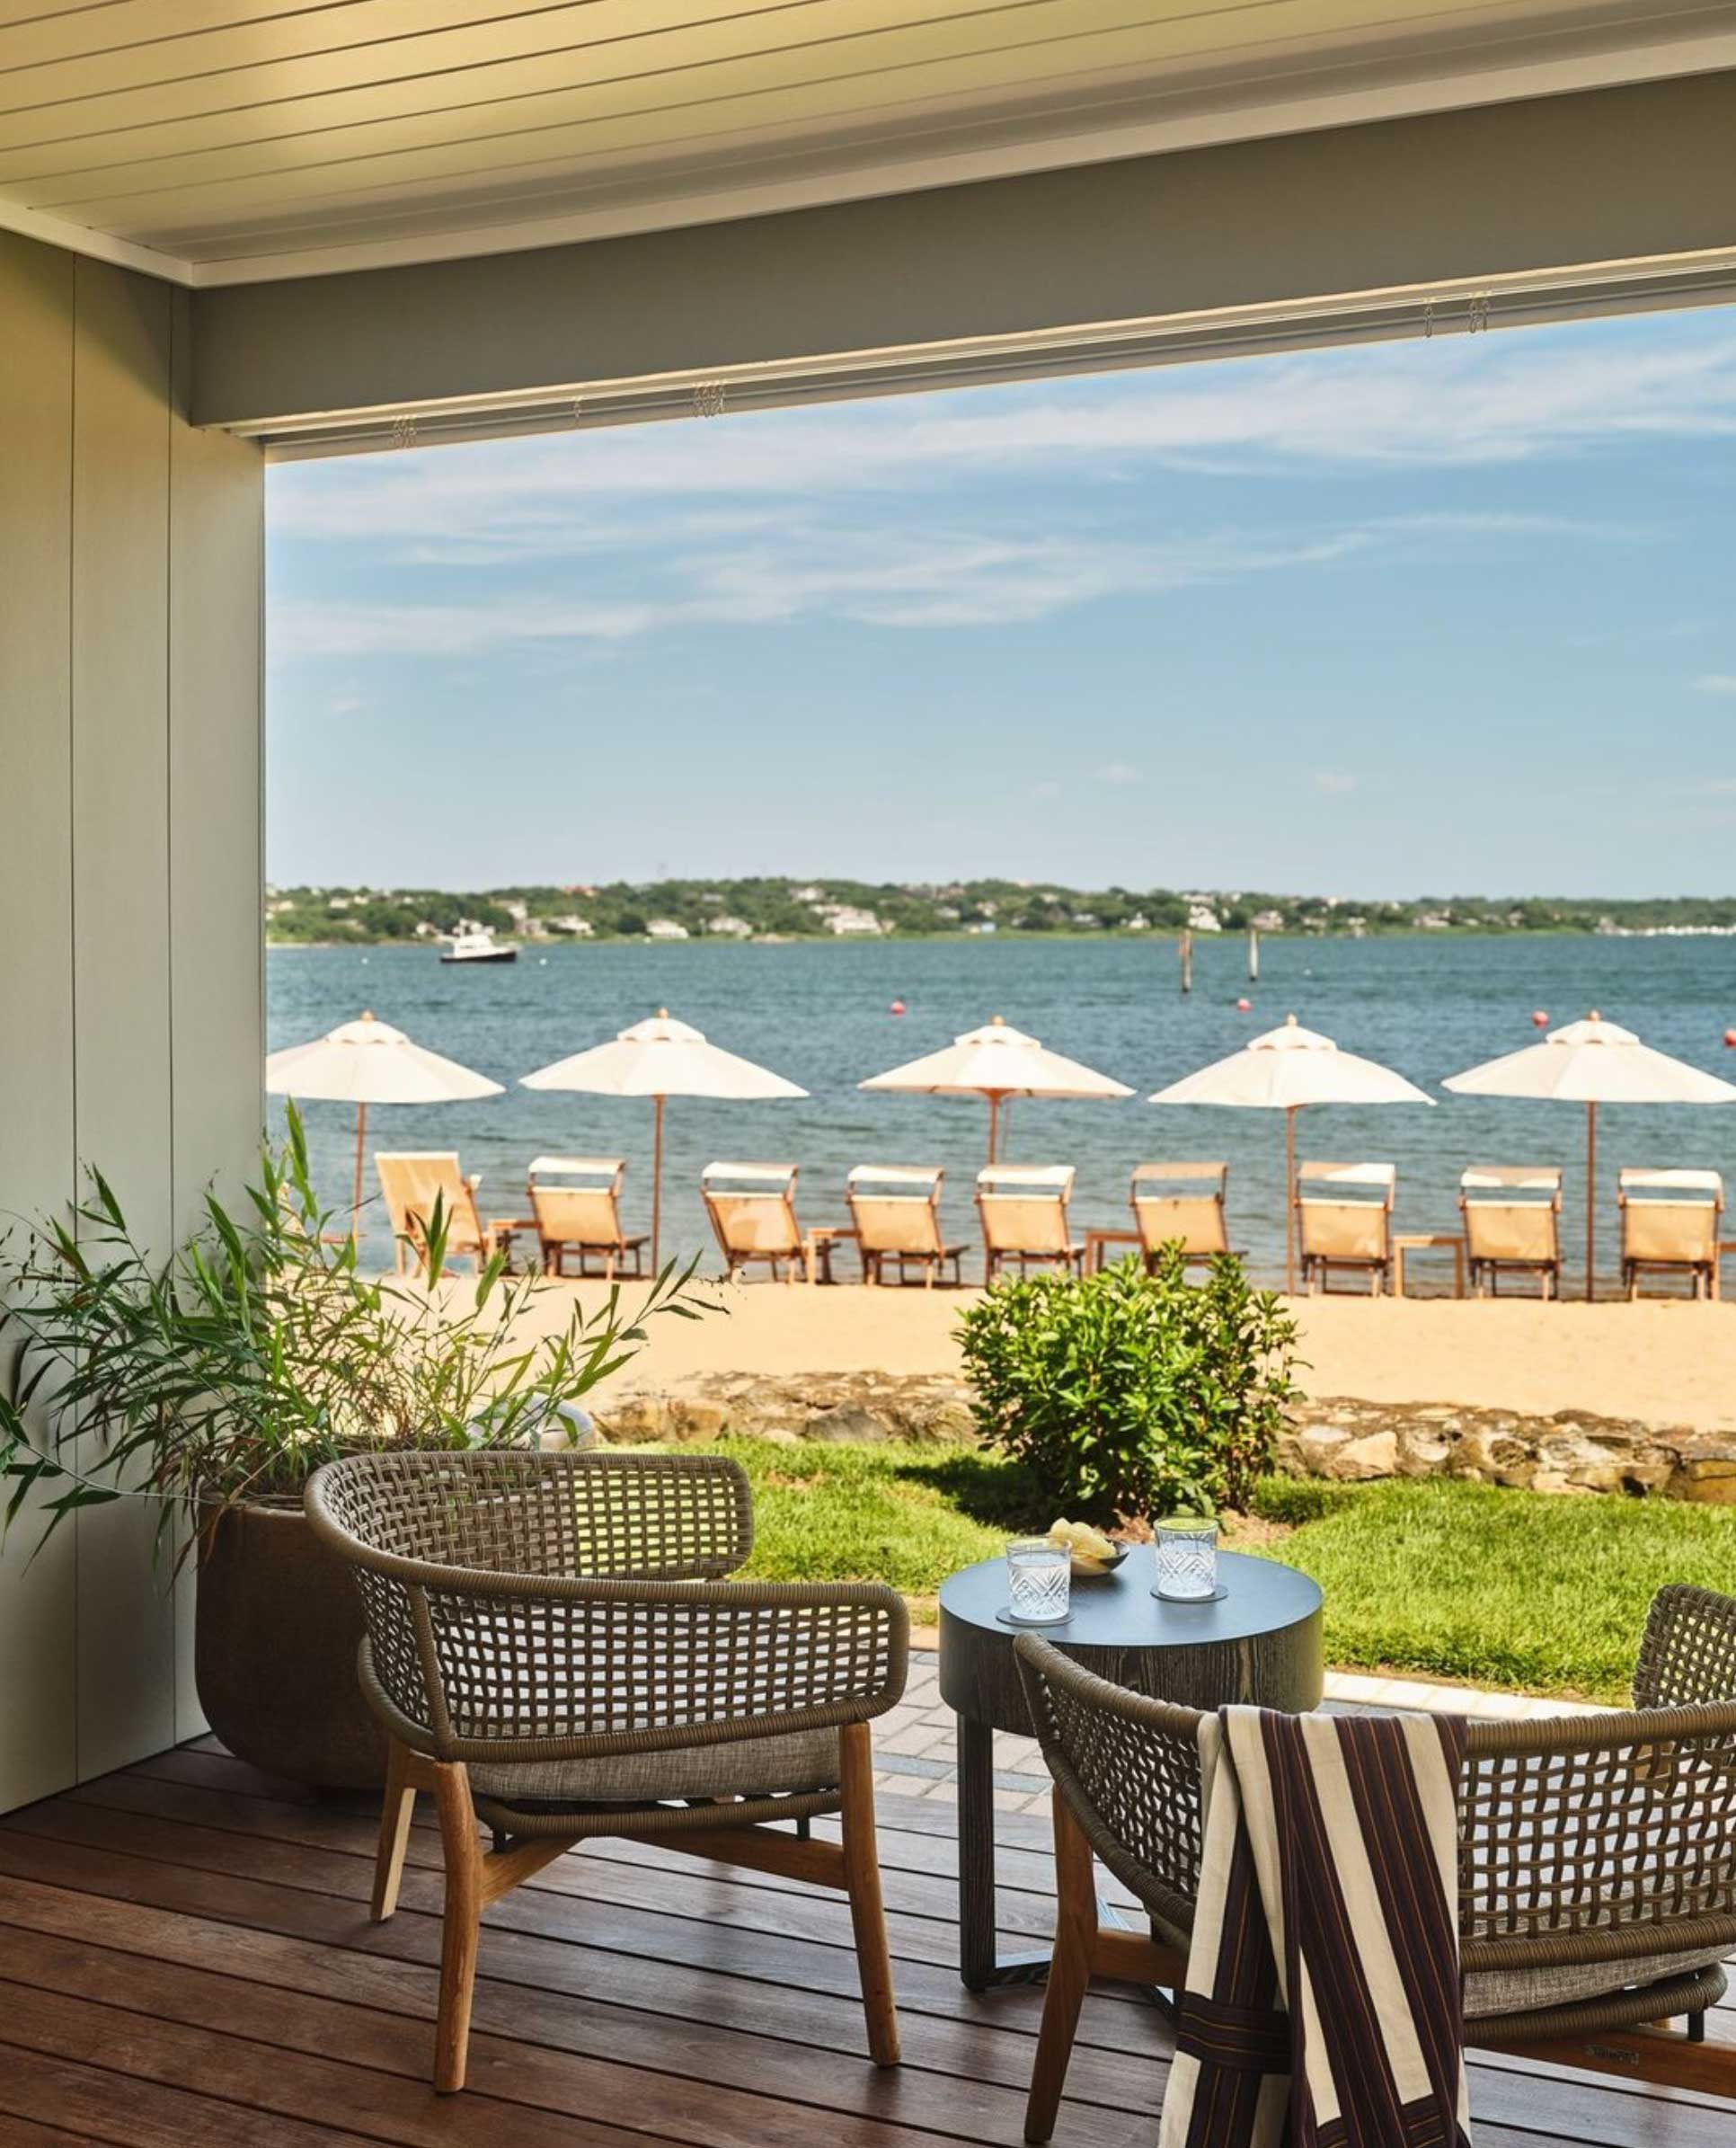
(1322, 2008)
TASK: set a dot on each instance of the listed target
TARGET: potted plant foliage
(1127, 1396)
(216, 1382)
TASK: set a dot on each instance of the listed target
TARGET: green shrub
(1128, 1394)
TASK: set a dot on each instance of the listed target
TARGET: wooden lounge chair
(1597, 1857)
(1669, 1225)
(412, 1181)
(895, 1214)
(752, 1208)
(1023, 1212)
(1344, 1220)
(1512, 1224)
(555, 1653)
(576, 1201)
(1180, 1204)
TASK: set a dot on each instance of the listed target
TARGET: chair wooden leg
(462, 1927)
(394, 1832)
(1069, 1971)
(862, 1878)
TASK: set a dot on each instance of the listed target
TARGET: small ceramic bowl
(1097, 1569)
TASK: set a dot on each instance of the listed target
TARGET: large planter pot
(278, 1624)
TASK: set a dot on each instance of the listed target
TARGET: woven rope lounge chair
(1023, 1213)
(1344, 1220)
(1597, 1857)
(412, 1182)
(752, 1208)
(555, 1654)
(576, 1201)
(1669, 1227)
(1512, 1225)
(895, 1214)
(1181, 1203)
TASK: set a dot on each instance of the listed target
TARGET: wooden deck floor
(186, 1962)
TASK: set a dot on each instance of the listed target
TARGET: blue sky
(1446, 615)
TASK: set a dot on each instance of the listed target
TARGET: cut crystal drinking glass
(1039, 1581)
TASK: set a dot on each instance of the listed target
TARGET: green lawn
(1505, 1588)
(1527, 1590)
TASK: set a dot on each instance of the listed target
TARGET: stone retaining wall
(1333, 1437)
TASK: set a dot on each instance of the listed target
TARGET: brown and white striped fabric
(1322, 2008)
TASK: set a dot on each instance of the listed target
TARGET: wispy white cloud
(1470, 401)
(1716, 682)
(879, 577)
(1334, 782)
(1118, 773)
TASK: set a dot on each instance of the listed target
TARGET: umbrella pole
(994, 1122)
(1590, 1197)
(1290, 1111)
(361, 1135)
(657, 1189)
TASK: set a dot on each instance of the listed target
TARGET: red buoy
(1540, 1020)
(1244, 1006)
(897, 1006)
(1730, 1039)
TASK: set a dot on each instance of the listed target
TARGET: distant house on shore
(1202, 918)
(843, 918)
(665, 929)
(1268, 920)
(733, 928)
(580, 927)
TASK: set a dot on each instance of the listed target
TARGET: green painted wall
(130, 967)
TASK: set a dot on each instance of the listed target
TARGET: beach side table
(818, 1247)
(1259, 1642)
(1419, 1241)
(1097, 1243)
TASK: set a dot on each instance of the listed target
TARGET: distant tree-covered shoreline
(791, 909)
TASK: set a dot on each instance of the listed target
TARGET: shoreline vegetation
(771, 912)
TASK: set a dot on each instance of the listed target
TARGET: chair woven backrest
(1129, 1767)
(525, 1605)
(1688, 1654)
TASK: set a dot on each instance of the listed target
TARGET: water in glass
(1039, 1581)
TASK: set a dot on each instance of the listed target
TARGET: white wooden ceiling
(230, 140)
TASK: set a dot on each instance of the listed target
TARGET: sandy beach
(1662, 1363)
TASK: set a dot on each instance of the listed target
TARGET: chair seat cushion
(791, 1760)
(1490, 1992)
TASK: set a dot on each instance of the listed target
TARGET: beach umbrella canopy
(367, 1063)
(658, 1058)
(1592, 1062)
(1283, 1070)
(999, 1063)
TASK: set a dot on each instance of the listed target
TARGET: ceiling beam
(1512, 190)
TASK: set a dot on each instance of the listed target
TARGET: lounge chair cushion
(1490, 1992)
(793, 1760)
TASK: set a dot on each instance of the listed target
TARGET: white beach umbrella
(370, 1062)
(658, 1058)
(1592, 1062)
(998, 1062)
(1283, 1070)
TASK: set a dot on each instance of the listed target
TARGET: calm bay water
(818, 1015)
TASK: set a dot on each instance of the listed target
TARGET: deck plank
(187, 1958)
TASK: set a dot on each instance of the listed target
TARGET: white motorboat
(474, 943)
